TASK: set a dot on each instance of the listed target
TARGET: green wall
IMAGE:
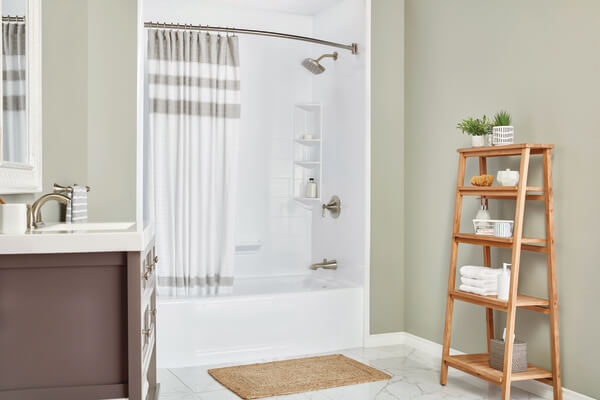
(89, 69)
(539, 59)
(387, 167)
(112, 109)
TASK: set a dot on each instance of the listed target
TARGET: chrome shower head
(314, 66)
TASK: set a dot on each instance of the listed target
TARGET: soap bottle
(504, 282)
(483, 213)
(310, 191)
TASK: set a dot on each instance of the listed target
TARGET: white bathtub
(264, 318)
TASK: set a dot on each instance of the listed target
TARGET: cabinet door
(142, 325)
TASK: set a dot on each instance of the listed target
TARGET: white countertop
(78, 241)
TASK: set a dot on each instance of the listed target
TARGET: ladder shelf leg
(487, 261)
(552, 290)
(514, 274)
(452, 272)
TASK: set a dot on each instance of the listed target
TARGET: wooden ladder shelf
(478, 364)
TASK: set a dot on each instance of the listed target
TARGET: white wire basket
(493, 227)
(502, 135)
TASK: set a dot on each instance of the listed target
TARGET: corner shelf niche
(308, 150)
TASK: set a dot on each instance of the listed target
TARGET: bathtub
(263, 318)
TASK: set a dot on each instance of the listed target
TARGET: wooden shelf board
(523, 301)
(528, 244)
(508, 150)
(478, 365)
(501, 192)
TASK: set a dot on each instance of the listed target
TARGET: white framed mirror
(20, 104)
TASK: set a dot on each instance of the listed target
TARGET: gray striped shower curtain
(192, 148)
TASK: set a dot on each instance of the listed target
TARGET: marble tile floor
(415, 375)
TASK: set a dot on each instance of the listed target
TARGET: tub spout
(331, 264)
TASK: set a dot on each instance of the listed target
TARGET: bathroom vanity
(77, 314)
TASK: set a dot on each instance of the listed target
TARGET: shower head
(314, 66)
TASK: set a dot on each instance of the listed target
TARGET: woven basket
(519, 361)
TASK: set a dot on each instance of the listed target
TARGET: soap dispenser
(504, 282)
(483, 213)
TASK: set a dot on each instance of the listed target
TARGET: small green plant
(502, 118)
(475, 127)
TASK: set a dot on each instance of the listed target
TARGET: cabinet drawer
(148, 332)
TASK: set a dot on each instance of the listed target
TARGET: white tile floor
(415, 375)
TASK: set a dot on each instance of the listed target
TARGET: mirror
(15, 143)
(20, 125)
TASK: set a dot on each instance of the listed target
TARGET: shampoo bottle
(310, 191)
(504, 282)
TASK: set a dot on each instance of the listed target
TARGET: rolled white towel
(479, 291)
(480, 283)
(484, 273)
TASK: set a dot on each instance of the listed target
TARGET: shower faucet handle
(334, 206)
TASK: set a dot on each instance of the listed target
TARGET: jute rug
(295, 376)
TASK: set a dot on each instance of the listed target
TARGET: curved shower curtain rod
(351, 47)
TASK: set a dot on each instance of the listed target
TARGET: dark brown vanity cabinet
(78, 326)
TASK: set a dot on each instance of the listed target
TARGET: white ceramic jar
(508, 177)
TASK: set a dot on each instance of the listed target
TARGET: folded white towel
(479, 291)
(484, 273)
(480, 283)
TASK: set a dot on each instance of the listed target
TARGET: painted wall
(112, 107)
(272, 82)
(342, 91)
(89, 104)
(64, 96)
(539, 60)
(387, 166)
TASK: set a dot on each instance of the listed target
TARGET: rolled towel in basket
(479, 291)
(484, 273)
(480, 283)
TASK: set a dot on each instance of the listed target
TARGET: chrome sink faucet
(331, 264)
(34, 212)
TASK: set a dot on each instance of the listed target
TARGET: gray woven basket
(519, 361)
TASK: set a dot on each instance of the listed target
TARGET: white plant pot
(478, 141)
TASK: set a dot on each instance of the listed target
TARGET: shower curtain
(14, 97)
(194, 111)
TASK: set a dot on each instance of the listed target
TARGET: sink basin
(99, 226)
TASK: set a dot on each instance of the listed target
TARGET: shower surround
(278, 307)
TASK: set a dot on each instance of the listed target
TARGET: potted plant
(502, 132)
(478, 128)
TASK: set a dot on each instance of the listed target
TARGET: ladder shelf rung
(502, 192)
(500, 151)
(529, 244)
(479, 365)
(523, 301)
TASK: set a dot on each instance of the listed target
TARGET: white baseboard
(435, 349)
(384, 339)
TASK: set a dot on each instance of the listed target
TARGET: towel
(480, 283)
(77, 208)
(483, 273)
(479, 291)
